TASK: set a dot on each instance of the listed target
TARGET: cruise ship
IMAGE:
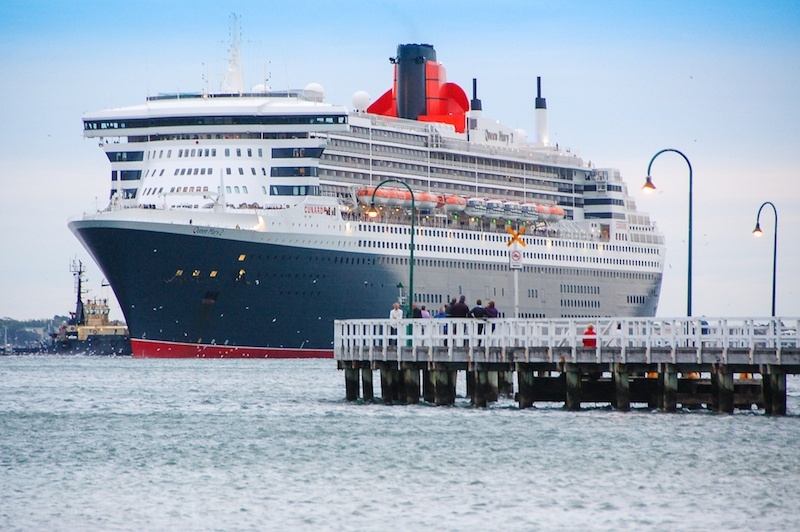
(243, 223)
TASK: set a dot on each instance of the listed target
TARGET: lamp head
(372, 212)
(757, 231)
(648, 185)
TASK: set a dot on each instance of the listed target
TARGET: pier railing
(703, 340)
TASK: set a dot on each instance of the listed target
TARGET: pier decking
(664, 362)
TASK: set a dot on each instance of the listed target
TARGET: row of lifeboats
(473, 207)
(395, 197)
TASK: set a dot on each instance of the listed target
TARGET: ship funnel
(542, 133)
(475, 104)
(410, 65)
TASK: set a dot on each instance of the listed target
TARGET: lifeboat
(528, 212)
(475, 207)
(425, 200)
(364, 195)
(512, 210)
(396, 198)
(454, 203)
(494, 208)
(554, 213)
(381, 196)
(404, 196)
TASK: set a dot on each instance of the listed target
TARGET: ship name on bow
(207, 231)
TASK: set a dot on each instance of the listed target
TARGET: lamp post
(757, 232)
(372, 213)
(649, 186)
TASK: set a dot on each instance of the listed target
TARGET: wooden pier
(714, 363)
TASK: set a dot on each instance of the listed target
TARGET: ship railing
(651, 340)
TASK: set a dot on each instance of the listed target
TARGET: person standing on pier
(589, 336)
(478, 311)
(492, 312)
(460, 309)
(396, 314)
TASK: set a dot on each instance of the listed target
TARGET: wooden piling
(622, 392)
(573, 381)
(725, 389)
(492, 386)
(480, 387)
(351, 383)
(714, 389)
(411, 381)
(777, 388)
(366, 385)
(390, 384)
(669, 376)
(428, 386)
(505, 382)
(525, 384)
(444, 388)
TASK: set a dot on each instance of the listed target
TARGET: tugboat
(89, 331)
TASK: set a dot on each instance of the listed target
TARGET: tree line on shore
(28, 332)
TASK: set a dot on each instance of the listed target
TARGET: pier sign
(515, 259)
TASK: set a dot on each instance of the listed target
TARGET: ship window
(196, 273)
(241, 171)
(169, 153)
(193, 153)
(244, 189)
(236, 190)
(253, 170)
(249, 152)
(209, 171)
(191, 189)
(186, 189)
(242, 257)
(180, 153)
(195, 171)
(160, 190)
(228, 190)
(238, 152)
(205, 189)
(213, 152)
(227, 152)
(260, 153)
(161, 173)
(264, 189)
(161, 154)
(263, 171)
(202, 171)
(213, 273)
(228, 171)
(178, 273)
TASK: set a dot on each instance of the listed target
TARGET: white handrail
(374, 339)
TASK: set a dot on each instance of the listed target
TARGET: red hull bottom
(156, 349)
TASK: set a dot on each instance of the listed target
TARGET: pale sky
(717, 80)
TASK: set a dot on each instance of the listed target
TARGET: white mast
(233, 83)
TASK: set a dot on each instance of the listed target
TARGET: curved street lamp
(372, 213)
(648, 187)
(757, 232)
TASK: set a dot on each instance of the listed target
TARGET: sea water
(123, 444)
